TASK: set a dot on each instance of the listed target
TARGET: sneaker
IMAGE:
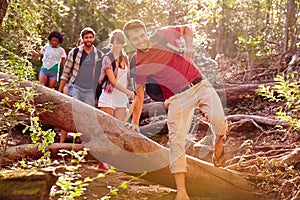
(103, 166)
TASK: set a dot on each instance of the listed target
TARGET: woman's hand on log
(132, 127)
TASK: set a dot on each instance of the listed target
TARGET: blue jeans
(85, 95)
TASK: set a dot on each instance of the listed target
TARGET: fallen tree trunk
(111, 142)
(26, 184)
(228, 93)
(233, 93)
(29, 151)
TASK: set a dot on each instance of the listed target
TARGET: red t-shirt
(167, 67)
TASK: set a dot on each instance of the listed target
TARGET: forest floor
(236, 144)
(242, 138)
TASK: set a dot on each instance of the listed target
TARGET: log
(28, 151)
(229, 94)
(111, 142)
(26, 184)
(233, 93)
(258, 119)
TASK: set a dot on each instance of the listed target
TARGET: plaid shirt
(70, 72)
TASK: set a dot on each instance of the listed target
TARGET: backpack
(154, 89)
(100, 54)
(105, 78)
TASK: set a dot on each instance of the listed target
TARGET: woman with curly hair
(53, 55)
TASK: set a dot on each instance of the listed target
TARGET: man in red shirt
(184, 89)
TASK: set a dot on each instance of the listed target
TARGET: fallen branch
(28, 151)
(292, 158)
(258, 119)
(247, 162)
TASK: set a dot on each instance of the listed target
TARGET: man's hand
(133, 127)
(189, 53)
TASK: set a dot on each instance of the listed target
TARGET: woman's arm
(35, 53)
(63, 61)
(112, 79)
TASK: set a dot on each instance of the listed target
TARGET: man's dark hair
(133, 24)
(87, 30)
(57, 35)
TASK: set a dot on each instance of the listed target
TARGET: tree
(3, 9)
(290, 25)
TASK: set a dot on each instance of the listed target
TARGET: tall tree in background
(290, 26)
(257, 29)
(3, 9)
(219, 44)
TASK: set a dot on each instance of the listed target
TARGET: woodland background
(254, 30)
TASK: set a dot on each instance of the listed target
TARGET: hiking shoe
(103, 166)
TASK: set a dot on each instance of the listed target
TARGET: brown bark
(26, 184)
(258, 119)
(32, 152)
(237, 92)
(3, 9)
(290, 23)
(219, 46)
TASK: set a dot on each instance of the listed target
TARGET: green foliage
(124, 185)
(257, 28)
(15, 65)
(70, 184)
(17, 100)
(286, 90)
(43, 139)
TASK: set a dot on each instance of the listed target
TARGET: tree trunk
(111, 142)
(3, 9)
(26, 184)
(219, 44)
(289, 23)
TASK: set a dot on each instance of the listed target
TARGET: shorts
(109, 100)
(50, 75)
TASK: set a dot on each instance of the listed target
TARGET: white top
(116, 99)
(52, 56)
(120, 98)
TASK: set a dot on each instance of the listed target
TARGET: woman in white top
(53, 55)
(114, 97)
